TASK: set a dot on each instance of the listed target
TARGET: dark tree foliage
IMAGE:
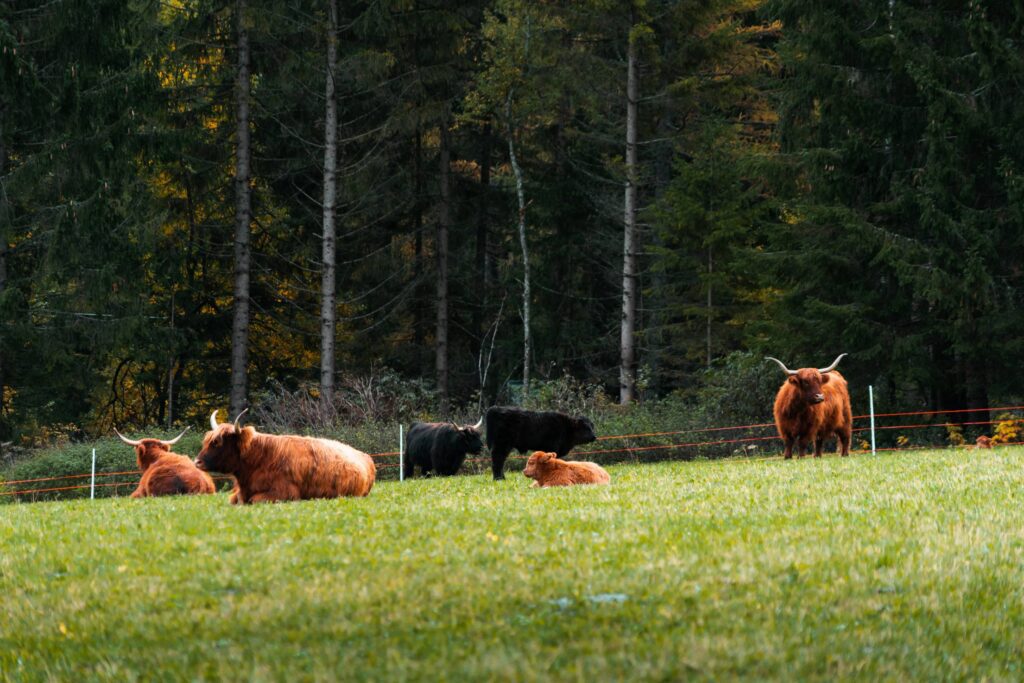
(812, 178)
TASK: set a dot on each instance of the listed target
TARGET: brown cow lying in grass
(165, 473)
(547, 470)
(270, 468)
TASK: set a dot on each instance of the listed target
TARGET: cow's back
(525, 429)
(338, 470)
(174, 475)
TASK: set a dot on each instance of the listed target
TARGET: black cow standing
(526, 430)
(440, 446)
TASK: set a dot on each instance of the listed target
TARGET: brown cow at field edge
(811, 406)
(165, 473)
(271, 468)
(546, 469)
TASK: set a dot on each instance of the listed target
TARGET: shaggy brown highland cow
(547, 470)
(812, 405)
(165, 473)
(271, 468)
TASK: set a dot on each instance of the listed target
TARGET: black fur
(526, 430)
(439, 446)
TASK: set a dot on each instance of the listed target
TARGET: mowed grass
(889, 567)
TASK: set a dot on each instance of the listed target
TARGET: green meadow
(904, 566)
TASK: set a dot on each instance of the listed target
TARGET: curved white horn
(240, 417)
(127, 440)
(834, 364)
(781, 365)
(478, 424)
(213, 420)
(177, 438)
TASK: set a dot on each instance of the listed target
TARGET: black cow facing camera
(529, 430)
(439, 446)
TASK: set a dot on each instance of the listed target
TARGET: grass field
(888, 567)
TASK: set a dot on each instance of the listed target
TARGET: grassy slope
(893, 566)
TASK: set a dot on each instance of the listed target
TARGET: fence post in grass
(401, 455)
(92, 485)
(871, 404)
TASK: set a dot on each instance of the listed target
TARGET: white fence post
(401, 454)
(92, 486)
(871, 402)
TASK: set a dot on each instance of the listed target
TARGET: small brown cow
(165, 473)
(547, 470)
(983, 442)
(812, 405)
(271, 468)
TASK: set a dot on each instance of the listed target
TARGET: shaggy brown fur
(547, 470)
(167, 474)
(983, 442)
(274, 468)
(802, 422)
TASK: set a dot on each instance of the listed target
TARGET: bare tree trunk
(170, 373)
(5, 218)
(327, 286)
(444, 218)
(710, 309)
(521, 198)
(243, 218)
(483, 291)
(627, 374)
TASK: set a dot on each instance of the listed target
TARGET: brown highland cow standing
(547, 470)
(811, 406)
(165, 473)
(271, 468)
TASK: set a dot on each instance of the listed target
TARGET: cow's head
(223, 446)
(809, 381)
(583, 430)
(468, 438)
(538, 459)
(148, 450)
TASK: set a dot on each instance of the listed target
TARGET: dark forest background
(803, 179)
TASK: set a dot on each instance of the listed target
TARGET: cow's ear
(793, 380)
(824, 378)
(545, 457)
(245, 437)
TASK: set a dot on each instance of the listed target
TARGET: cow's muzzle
(818, 398)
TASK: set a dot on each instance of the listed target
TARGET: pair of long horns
(166, 443)
(458, 426)
(821, 370)
(213, 419)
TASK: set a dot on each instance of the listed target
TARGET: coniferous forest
(215, 203)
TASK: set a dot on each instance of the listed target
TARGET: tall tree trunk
(710, 309)
(441, 249)
(170, 371)
(419, 321)
(327, 286)
(243, 218)
(521, 198)
(5, 218)
(483, 291)
(627, 374)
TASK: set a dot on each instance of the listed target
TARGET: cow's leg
(844, 438)
(789, 447)
(802, 446)
(819, 444)
(138, 493)
(408, 468)
(498, 456)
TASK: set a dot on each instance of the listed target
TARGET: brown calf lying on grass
(548, 470)
(984, 442)
(165, 473)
